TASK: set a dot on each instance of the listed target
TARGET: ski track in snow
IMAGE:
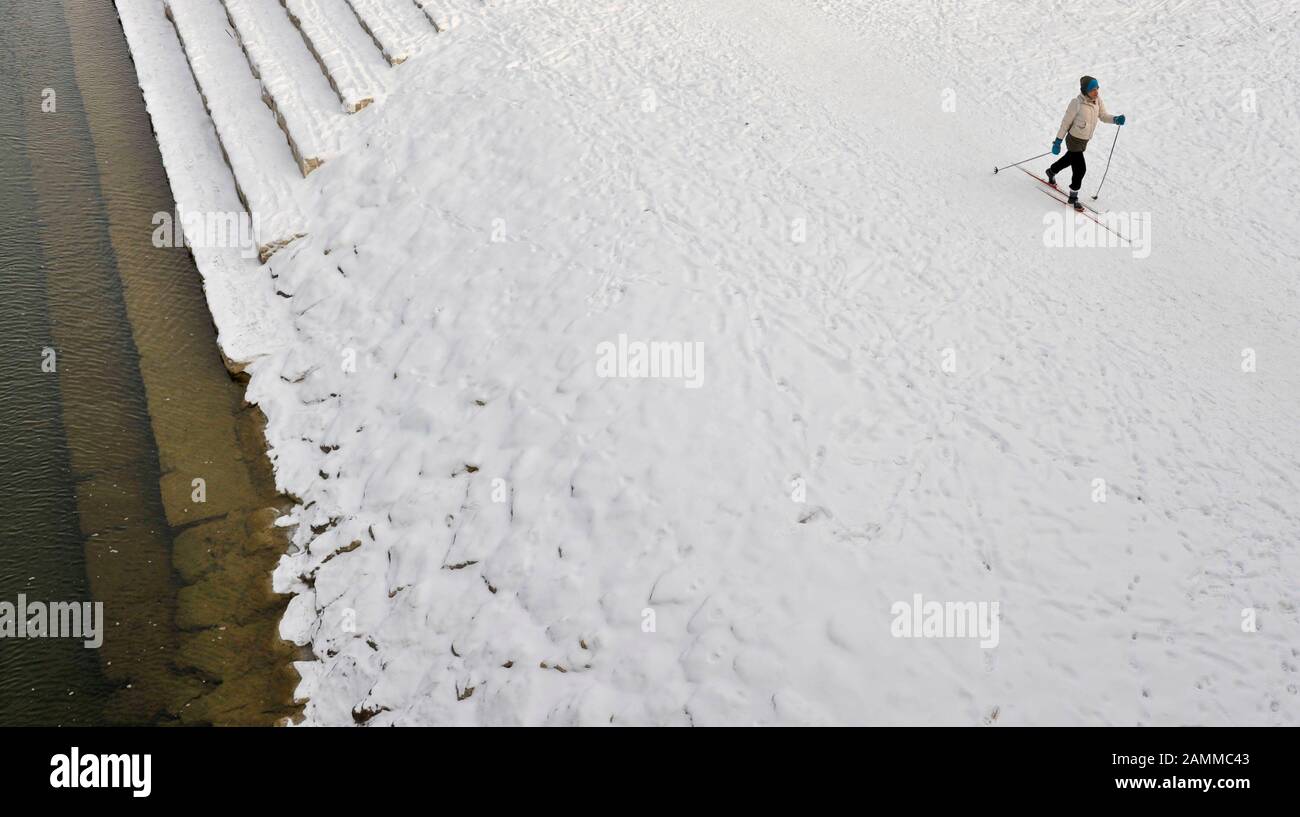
(547, 175)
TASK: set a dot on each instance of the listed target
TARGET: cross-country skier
(1076, 129)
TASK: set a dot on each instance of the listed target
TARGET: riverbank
(235, 133)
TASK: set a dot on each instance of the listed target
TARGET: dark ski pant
(1074, 160)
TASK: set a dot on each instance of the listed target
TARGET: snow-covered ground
(903, 387)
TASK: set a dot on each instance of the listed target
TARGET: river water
(132, 473)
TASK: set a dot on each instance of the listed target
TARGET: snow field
(906, 389)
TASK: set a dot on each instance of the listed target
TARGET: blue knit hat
(1087, 83)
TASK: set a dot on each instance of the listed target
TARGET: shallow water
(101, 455)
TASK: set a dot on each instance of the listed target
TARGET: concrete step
(357, 71)
(248, 315)
(397, 27)
(255, 147)
(293, 82)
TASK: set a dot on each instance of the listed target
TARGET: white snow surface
(487, 526)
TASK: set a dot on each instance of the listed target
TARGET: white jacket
(1081, 117)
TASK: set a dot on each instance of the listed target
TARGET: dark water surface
(42, 547)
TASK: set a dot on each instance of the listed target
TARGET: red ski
(1092, 214)
(1051, 186)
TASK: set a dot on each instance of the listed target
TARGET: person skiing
(1076, 129)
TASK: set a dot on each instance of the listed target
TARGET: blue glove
(1119, 120)
(1056, 147)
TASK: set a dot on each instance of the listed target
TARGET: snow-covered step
(397, 27)
(255, 146)
(356, 71)
(292, 79)
(444, 14)
(240, 294)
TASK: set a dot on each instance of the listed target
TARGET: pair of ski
(1083, 209)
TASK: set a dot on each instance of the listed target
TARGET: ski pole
(1103, 175)
(1022, 161)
